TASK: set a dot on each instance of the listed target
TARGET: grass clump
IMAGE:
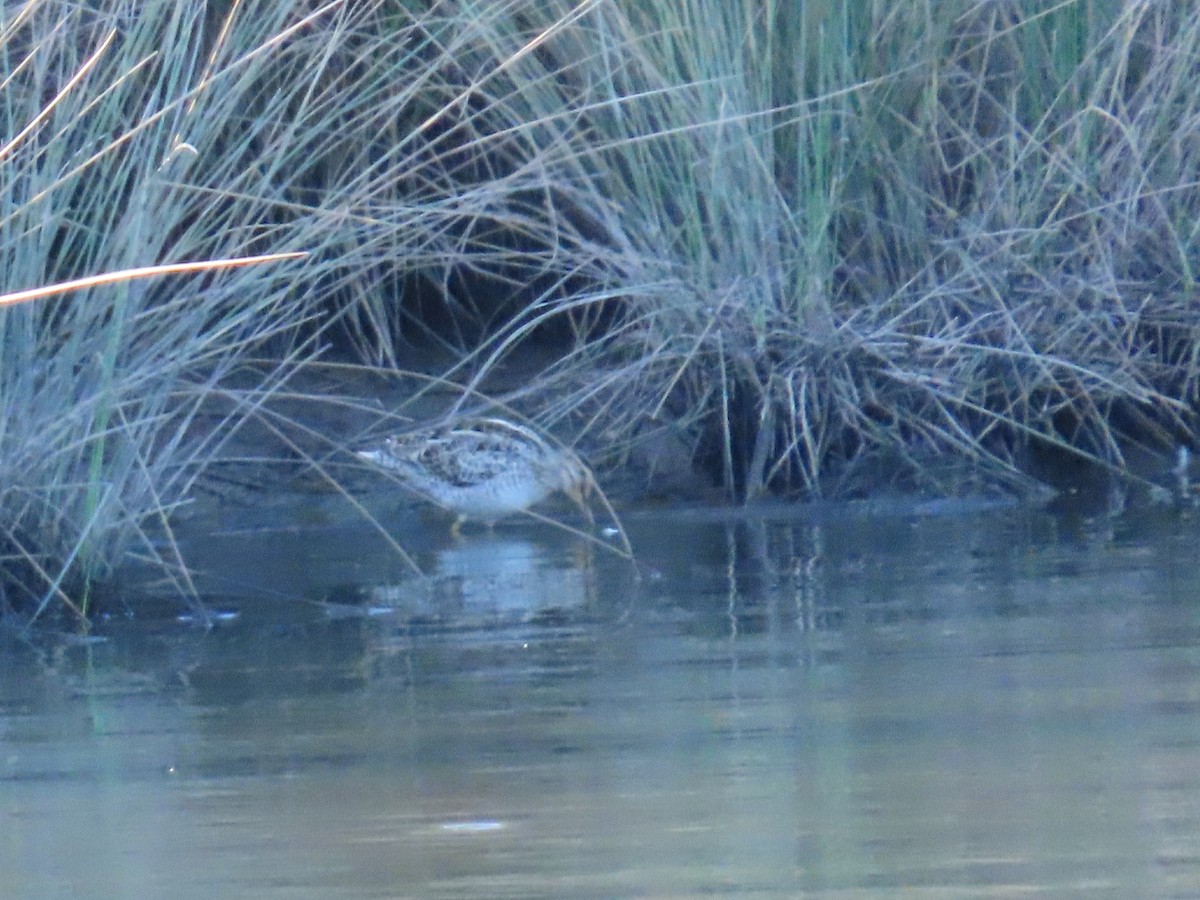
(836, 245)
(157, 133)
(99, 387)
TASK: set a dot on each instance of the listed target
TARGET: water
(827, 705)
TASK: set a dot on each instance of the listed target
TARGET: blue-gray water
(814, 705)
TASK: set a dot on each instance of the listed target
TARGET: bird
(483, 469)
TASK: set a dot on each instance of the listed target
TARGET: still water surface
(825, 705)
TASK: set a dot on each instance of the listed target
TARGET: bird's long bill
(375, 456)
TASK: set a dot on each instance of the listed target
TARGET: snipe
(483, 469)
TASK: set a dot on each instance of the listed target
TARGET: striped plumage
(483, 469)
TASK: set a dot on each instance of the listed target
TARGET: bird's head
(577, 482)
